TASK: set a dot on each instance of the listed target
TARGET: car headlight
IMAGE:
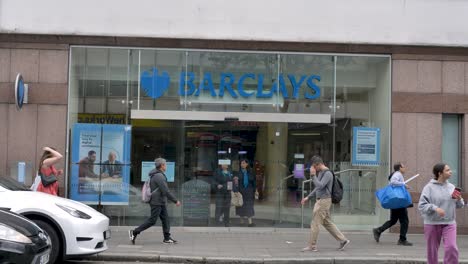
(10, 234)
(74, 212)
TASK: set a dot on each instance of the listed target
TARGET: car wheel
(54, 240)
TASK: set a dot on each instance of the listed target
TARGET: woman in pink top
(46, 167)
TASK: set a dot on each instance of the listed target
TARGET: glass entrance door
(276, 153)
(199, 151)
(214, 152)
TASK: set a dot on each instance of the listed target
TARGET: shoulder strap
(333, 179)
(157, 186)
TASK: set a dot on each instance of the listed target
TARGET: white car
(75, 229)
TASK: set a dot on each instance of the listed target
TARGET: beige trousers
(321, 216)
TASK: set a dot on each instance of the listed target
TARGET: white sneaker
(169, 241)
(310, 248)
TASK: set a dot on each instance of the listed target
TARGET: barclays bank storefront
(202, 108)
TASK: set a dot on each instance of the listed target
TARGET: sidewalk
(263, 245)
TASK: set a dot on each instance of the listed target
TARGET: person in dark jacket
(246, 186)
(160, 193)
(223, 186)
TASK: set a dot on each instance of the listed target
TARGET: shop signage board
(21, 92)
(155, 83)
(101, 118)
(100, 169)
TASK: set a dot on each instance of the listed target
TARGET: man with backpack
(321, 213)
(400, 214)
(160, 193)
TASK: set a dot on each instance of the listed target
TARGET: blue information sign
(366, 146)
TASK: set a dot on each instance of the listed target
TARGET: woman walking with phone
(437, 204)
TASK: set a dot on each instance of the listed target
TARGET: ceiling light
(305, 134)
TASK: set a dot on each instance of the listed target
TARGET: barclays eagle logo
(154, 84)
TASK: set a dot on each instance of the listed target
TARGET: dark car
(22, 241)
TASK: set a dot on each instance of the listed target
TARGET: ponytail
(391, 174)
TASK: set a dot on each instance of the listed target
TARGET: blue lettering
(296, 85)
(182, 82)
(260, 93)
(240, 85)
(282, 87)
(206, 84)
(227, 85)
(313, 86)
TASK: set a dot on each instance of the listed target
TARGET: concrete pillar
(276, 166)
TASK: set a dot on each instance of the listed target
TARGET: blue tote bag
(394, 197)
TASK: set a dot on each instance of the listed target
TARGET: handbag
(394, 197)
(47, 180)
(236, 199)
(36, 182)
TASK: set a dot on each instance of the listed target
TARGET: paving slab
(268, 245)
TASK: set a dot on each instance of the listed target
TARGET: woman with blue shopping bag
(396, 198)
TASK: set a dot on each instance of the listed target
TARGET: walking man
(321, 213)
(159, 195)
(400, 214)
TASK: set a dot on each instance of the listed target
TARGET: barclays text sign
(156, 84)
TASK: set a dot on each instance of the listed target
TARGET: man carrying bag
(396, 184)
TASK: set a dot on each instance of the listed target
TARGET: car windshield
(12, 184)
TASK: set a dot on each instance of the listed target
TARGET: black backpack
(337, 189)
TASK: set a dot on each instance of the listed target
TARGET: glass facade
(180, 93)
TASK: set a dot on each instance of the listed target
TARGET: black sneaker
(376, 234)
(343, 244)
(132, 236)
(404, 243)
(169, 241)
(251, 225)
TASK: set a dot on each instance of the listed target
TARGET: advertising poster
(366, 146)
(298, 171)
(147, 166)
(100, 164)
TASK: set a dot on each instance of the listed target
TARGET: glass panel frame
(451, 145)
